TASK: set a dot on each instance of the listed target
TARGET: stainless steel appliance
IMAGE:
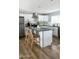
(21, 26)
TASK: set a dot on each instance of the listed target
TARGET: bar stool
(31, 39)
(28, 38)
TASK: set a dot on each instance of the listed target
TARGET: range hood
(35, 15)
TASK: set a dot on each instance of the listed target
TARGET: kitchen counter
(42, 28)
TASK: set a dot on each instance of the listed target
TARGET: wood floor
(50, 52)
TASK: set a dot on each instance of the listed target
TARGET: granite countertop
(41, 29)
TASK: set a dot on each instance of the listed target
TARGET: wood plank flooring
(50, 52)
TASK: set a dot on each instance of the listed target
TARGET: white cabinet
(45, 38)
(55, 31)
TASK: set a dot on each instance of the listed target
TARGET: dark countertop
(41, 29)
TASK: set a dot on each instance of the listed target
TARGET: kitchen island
(45, 36)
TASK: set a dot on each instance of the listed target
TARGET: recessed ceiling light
(51, 0)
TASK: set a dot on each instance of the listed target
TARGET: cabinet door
(41, 38)
(47, 38)
(55, 31)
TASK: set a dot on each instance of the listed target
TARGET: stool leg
(31, 44)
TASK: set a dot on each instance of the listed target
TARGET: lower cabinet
(55, 31)
(45, 38)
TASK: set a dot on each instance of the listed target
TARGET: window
(55, 19)
(43, 18)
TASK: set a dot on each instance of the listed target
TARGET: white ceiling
(40, 6)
